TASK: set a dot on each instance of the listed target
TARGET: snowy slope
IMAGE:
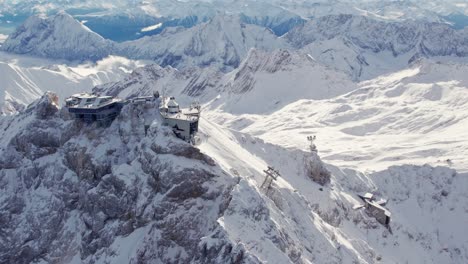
(267, 81)
(322, 227)
(416, 116)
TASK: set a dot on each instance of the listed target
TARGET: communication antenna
(312, 145)
(164, 95)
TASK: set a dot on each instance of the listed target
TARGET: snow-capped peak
(59, 36)
(366, 48)
(223, 41)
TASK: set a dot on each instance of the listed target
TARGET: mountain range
(348, 43)
(336, 98)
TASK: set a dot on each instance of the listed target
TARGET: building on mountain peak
(93, 108)
(184, 122)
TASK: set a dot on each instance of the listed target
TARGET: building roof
(83, 95)
(376, 205)
(186, 114)
(87, 101)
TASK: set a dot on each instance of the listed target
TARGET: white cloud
(3, 38)
(151, 28)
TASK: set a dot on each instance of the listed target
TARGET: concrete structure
(378, 212)
(376, 209)
(92, 108)
(184, 122)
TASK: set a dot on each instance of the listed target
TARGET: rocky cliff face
(431, 39)
(367, 47)
(144, 81)
(72, 192)
(77, 193)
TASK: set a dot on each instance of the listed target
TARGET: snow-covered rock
(74, 193)
(306, 212)
(268, 81)
(78, 193)
(190, 83)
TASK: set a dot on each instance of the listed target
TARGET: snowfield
(322, 225)
(415, 116)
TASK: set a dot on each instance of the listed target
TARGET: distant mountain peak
(59, 36)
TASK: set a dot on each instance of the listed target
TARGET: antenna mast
(312, 145)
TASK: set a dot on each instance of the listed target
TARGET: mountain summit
(58, 37)
(223, 41)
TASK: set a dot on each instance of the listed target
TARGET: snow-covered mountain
(190, 83)
(57, 37)
(415, 116)
(366, 48)
(349, 43)
(86, 194)
(356, 97)
(124, 20)
(64, 200)
(223, 41)
(278, 78)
